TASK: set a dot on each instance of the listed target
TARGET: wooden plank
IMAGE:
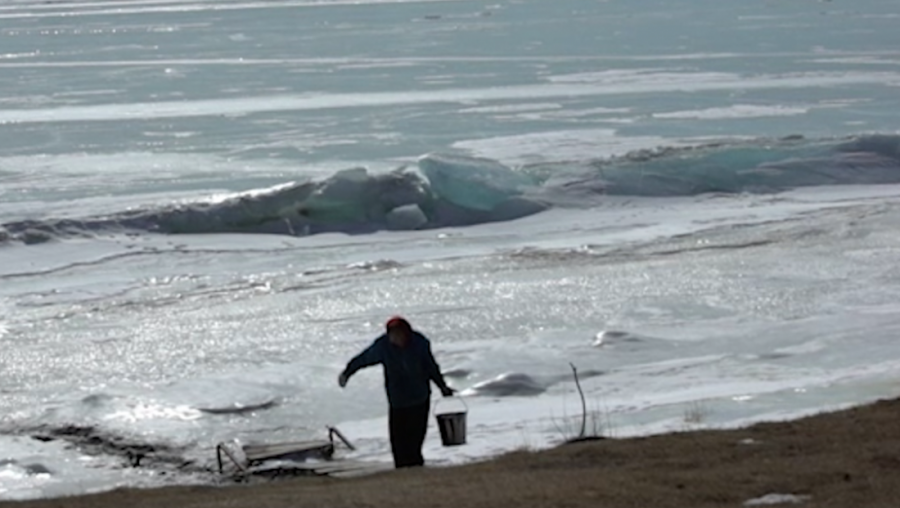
(281, 472)
(256, 453)
(281, 448)
(305, 466)
(336, 469)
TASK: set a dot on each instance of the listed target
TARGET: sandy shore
(846, 459)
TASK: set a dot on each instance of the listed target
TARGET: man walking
(409, 368)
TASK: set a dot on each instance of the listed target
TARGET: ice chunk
(478, 184)
(454, 190)
(406, 217)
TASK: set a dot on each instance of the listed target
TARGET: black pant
(407, 427)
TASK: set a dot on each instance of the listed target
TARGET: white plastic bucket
(452, 425)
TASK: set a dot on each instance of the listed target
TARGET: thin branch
(583, 402)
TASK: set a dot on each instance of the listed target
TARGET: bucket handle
(455, 397)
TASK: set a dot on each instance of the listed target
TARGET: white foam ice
(641, 77)
(78, 9)
(860, 60)
(581, 115)
(513, 108)
(736, 111)
(561, 145)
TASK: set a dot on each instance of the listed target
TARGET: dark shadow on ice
(457, 373)
(93, 440)
(507, 385)
(239, 409)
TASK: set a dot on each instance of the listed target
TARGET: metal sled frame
(297, 451)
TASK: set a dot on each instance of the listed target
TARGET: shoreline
(849, 457)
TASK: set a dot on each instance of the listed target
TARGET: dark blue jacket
(407, 371)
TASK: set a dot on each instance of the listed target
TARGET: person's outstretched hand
(342, 379)
(447, 391)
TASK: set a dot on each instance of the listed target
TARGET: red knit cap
(398, 322)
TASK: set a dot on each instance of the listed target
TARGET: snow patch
(771, 499)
